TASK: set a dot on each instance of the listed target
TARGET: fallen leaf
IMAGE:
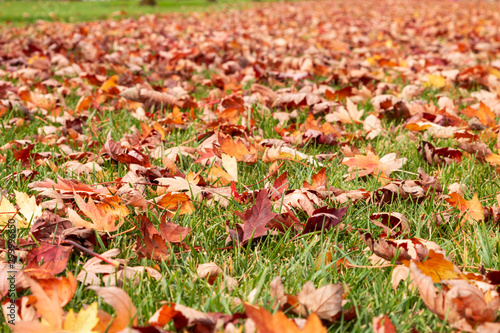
(255, 219)
(268, 323)
(471, 210)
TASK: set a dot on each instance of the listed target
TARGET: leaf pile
(224, 150)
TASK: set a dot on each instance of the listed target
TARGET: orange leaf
(242, 151)
(265, 322)
(436, 267)
(363, 165)
(472, 210)
(484, 114)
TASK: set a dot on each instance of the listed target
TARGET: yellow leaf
(493, 159)
(110, 83)
(27, 206)
(435, 81)
(471, 210)
(83, 322)
(7, 211)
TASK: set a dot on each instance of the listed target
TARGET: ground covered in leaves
(297, 167)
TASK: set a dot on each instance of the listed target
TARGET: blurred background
(25, 11)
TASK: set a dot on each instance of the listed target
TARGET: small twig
(45, 121)
(444, 211)
(92, 253)
(123, 232)
(13, 216)
(188, 141)
(489, 195)
(291, 159)
(268, 176)
(348, 264)
(408, 172)
(478, 268)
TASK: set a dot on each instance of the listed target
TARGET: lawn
(76, 11)
(339, 144)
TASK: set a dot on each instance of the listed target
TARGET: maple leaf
(149, 97)
(461, 303)
(324, 218)
(439, 156)
(472, 210)
(390, 221)
(436, 267)
(48, 306)
(363, 165)
(265, 322)
(178, 184)
(301, 198)
(274, 153)
(373, 126)
(318, 181)
(219, 177)
(83, 322)
(484, 114)
(255, 219)
(126, 313)
(325, 301)
(111, 275)
(8, 211)
(230, 164)
(435, 81)
(157, 243)
(102, 219)
(59, 288)
(239, 148)
(383, 324)
(48, 258)
(350, 114)
(175, 203)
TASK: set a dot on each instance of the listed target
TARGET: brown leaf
(390, 221)
(439, 156)
(149, 97)
(385, 249)
(325, 301)
(323, 219)
(459, 300)
(126, 313)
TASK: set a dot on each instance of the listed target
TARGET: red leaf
(256, 219)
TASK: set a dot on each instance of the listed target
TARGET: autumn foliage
(341, 137)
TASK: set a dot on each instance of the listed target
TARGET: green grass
(296, 261)
(76, 11)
